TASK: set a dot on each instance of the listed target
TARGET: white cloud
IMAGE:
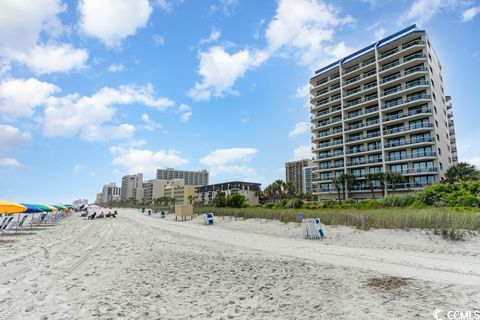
(111, 20)
(149, 125)
(302, 152)
(158, 40)
(380, 34)
(124, 132)
(77, 168)
(227, 7)
(88, 115)
(474, 160)
(221, 157)
(116, 67)
(300, 128)
(52, 58)
(11, 163)
(302, 27)
(22, 22)
(470, 13)
(20, 98)
(421, 11)
(303, 92)
(144, 160)
(186, 112)
(213, 37)
(12, 137)
(221, 69)
(231, 162)
(168, 5)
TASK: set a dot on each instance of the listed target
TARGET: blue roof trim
(382, 42)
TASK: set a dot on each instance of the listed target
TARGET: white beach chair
(312, 229)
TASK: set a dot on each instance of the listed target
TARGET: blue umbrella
(31, 208)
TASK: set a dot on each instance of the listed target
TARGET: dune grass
(437, 219)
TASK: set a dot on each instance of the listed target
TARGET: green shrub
(269, 205)
(281, 204)
(330, 204)
(368, 204)
(397, 200)
(294, 203)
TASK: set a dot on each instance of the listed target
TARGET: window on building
(433, 83)
(439, 151)
(436, 123)
(431, 70)
(435, 108)
(422, 181)
(438, 137)
(441, 165)
(434, 97)
(400, 168)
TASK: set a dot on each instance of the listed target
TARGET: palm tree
(337, 185)
(461, 172)
(290, 189)
(350, 180)
(370, 177)
(381, 177)
(394, 178)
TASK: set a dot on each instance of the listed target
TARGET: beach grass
(445, 221)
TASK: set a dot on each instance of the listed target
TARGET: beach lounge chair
(6, 224)
(18, 224)
(39, 219)
(92, 216)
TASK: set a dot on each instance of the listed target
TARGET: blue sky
(91, 90)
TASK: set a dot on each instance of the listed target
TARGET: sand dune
(141, 267)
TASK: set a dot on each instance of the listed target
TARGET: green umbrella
(43, 208)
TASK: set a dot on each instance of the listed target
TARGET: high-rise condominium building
(294, 172)
(453, 140)
(307, 186)
(196, 178)
(130, 185)
(381, 109)
(110, 193)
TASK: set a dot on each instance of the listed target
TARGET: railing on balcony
(414, 170)
(389, 53)
(405, 87)
(402, 61)
(363, 137)
(358, 101)
(410, 156)
(407, 128)
(364, 161)
(407, 114)
(403, 74)
(408, 142)
(358, 150)
(412, 43)
(359, 113)
(397, 102)
(363, 124)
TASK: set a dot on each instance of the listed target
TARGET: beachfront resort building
(206, 194)
(294, 172)
(110, 193)
(183, 194)
(130, 185)
(307, 177)
(196, 178)
(151, 190)
(382, 109)
(451, 125)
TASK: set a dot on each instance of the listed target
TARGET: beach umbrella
(43, 208)
(58, 206)
(52, 208)
(31, 208)
(93, 206)
(9, 207)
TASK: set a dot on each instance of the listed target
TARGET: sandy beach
(143, 267)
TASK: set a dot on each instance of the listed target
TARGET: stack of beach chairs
(312, 229)
(208, 218)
